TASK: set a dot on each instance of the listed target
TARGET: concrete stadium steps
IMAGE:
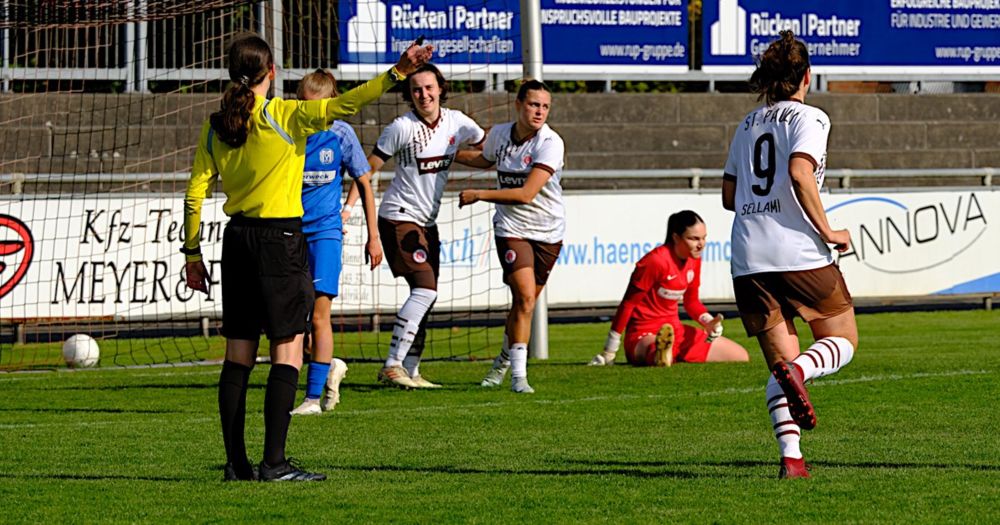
(155, 133)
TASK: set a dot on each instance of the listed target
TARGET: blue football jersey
(328, 154)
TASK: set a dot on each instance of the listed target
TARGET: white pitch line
(195, 420)
(165, 373)
(495, 404)
(625, 397)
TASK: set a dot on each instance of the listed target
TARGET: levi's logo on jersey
(511, 180)
(672, 295)
(433, 164)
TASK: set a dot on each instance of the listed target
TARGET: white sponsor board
(117, 258)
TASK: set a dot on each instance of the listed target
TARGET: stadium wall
(132, 133)
(116, 258)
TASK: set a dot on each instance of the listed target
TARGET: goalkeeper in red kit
(648, 314)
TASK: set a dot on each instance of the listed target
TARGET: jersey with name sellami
(771, 232)
(544, 218)
(424, 153)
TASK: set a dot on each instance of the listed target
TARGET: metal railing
(13, 184)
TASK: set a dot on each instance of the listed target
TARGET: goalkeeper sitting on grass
(654, 334)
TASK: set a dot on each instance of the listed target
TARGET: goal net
(100, 107)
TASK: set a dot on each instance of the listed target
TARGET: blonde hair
(319, 84)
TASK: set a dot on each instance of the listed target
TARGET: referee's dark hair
(250, 62)
(442, 83)
(679, 222)
(531, 85)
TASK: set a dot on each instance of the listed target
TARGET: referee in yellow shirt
(257, 145)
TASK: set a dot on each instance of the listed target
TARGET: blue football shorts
(325, 263)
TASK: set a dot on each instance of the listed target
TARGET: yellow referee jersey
(263, 178)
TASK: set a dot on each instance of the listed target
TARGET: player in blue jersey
(328, 155)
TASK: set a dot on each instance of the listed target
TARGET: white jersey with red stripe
(544, 218)
(424, 153)
(771, 232)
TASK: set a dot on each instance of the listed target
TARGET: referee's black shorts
(266, 285)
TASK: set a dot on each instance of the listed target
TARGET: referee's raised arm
(352, 101)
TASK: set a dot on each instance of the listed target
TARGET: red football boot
(789, 377)
(793, 468)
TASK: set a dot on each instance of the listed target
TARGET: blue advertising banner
(487, 32)
(589, 37)
(854, 37)
(612, 36)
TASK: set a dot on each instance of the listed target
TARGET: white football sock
(407, 324)
(785, 430)
(826, 356)
(503, 358)
(519, 360)
(412, 365)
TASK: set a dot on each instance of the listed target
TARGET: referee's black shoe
(244, 473)
(287, 471)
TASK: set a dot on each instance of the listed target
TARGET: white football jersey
(424, 154)
(771, 232)
(544, 218)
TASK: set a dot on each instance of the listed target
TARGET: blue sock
(316, 379)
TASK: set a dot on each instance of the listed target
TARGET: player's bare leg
(726, 350)
(841, 325)
(524, 291)
(643, 348)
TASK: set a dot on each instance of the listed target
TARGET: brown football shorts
(767, 299)
(412, 251)
(524, 253)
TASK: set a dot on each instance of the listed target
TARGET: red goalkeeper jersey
(657, 284)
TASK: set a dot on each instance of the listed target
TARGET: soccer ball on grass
(81, 351)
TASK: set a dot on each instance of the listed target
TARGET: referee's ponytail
(250, 62)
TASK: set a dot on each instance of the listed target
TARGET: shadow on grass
(96, 477)
(92, 410)
(445, 469)
(147, 386)
(756, 463)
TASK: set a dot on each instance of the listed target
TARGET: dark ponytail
(250, 61)
(679, 222)
(780, 69)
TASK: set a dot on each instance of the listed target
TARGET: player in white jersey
(423, 142)
(781, 263)
(530, 220)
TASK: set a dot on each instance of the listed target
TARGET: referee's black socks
(278, 400)
(233, 383)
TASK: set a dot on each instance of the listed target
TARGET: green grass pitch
(907, 433)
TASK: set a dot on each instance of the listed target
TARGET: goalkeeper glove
(713, 325)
